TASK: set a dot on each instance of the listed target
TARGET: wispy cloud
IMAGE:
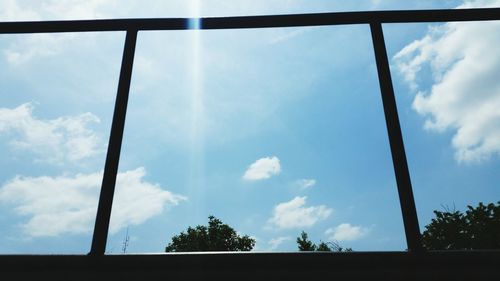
(28, 47)
(465, 93)
(12, 10)
(346, 232)
(263, 168)
(294, 214)
(16, 10)
(276, 242)
(57, 141)
(68, 204)
(25, 48)
(286, 35)
(305, 183)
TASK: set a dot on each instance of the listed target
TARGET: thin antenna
(125, 242)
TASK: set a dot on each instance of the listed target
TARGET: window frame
(375, 19)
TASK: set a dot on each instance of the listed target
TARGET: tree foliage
(304, 244)
(477, 228)
(217, 236)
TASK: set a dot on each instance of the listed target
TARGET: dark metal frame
(373, 19)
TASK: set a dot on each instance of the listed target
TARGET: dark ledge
(459, 265)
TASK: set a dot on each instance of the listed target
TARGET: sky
(273, 131)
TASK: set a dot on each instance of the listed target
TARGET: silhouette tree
(478, 228)
(217, 236)
(324, 247)
(304, 244)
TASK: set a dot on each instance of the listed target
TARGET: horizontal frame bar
(341, 18)
(256, 266)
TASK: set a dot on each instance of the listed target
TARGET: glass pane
(446, 79)
(272, 131)
(56, 103)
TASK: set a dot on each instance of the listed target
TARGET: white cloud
(263, 168)
(479, 4)
(294, 214)
(68, 204)
(80, 9)
(346, 232)
(29, 46)
(305, 183)
(465, 94)
(11, 10)
(138, 200)
(276, 242)
(58, 141)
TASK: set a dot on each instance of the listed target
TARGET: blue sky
(273, 131)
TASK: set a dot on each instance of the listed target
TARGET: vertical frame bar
(406, 200)
(115, 142)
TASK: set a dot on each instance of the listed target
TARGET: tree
(214, 237)
(305, 244)
(323, 247)
(478, 228)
